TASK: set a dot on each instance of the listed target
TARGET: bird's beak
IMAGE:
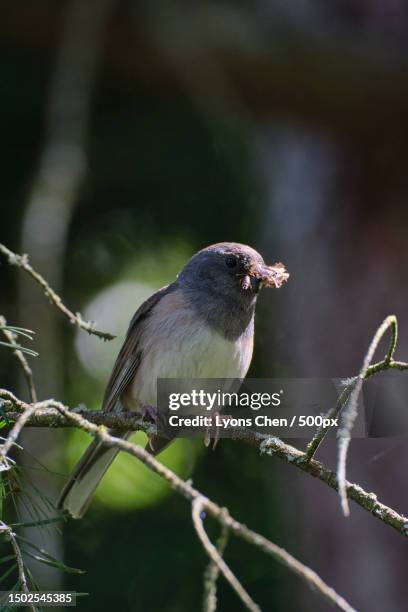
(271, 276)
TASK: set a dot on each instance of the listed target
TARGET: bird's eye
(231, 261)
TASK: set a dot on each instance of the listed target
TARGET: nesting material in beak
(272, 276)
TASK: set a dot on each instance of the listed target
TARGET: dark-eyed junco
(199, 326)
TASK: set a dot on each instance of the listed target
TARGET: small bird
(199, 326)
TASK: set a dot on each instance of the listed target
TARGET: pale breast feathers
(175, 343)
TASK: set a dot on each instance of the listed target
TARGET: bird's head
(231, 269)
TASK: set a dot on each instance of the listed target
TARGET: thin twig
(212, 572)
(350, 412)
(20, 563)
(21, 261)
(197, 508)
(190, 493)
(388, 363)
(333, 413)
(28, 373)
(312, 579)
(47, 415)
(16, 430)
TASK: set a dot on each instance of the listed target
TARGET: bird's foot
(150, 413)
(216, 416)
(155, 416)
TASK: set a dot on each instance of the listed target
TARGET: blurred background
(135, 133)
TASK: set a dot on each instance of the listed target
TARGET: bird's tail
(78, 491)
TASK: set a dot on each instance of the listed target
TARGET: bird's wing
(130, 354)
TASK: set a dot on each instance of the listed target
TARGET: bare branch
(20, 563)
(29, 410)
(47, 414)
(197, 508)
(309, 576)
(187, 491)
(350, 413)
(211, 574)
(322, 430)
(387, 363)
(21, 261)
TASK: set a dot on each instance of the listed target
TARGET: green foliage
(17, 490)
(44, 557)
(18, 331)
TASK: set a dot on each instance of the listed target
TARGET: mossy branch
(48, 414)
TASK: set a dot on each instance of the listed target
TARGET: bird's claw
(207, 438)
